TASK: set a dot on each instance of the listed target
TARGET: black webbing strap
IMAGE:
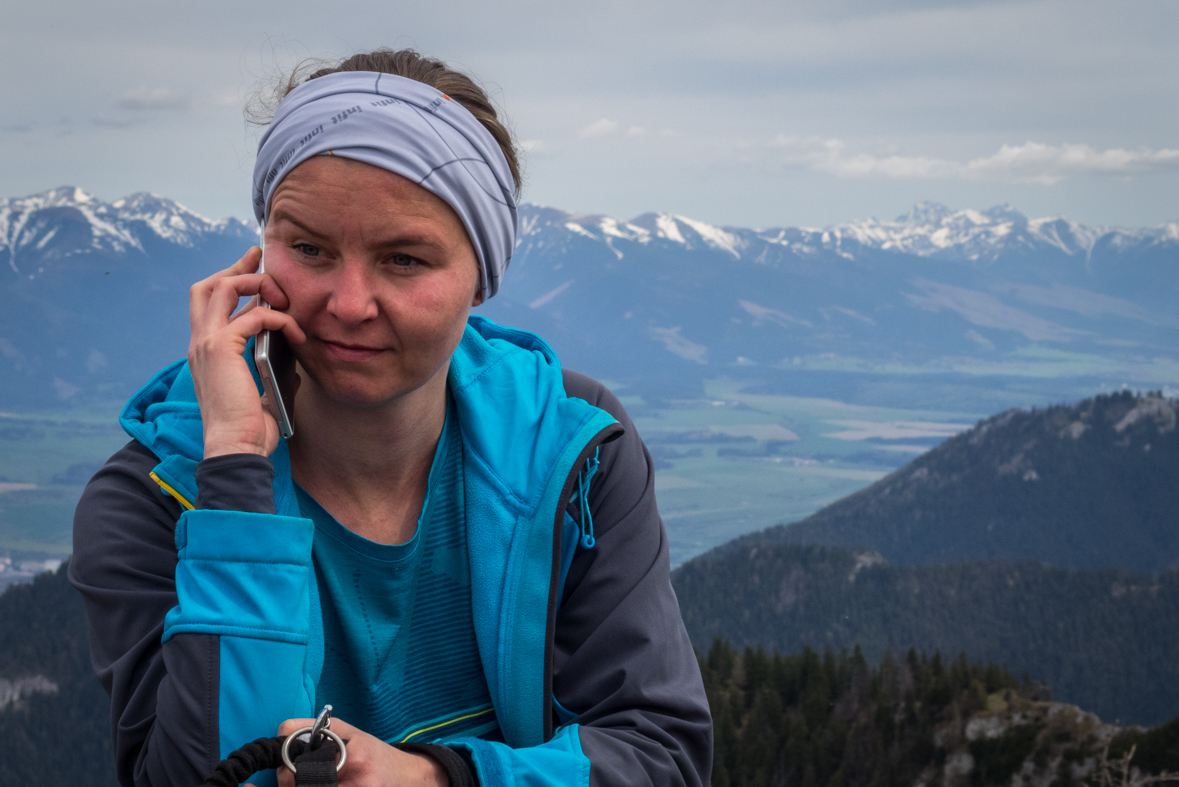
(317, 767)
(314, 767)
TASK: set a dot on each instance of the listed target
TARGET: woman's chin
(364, 396)
(361, 391)
(367, 385)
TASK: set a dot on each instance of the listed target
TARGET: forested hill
(1092, 485)
(1102, 639)
(54, 717)
(836, 720)
(805, 718)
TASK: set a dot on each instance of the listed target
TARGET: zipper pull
(582, 495)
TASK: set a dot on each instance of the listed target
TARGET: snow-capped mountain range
(33, 224)
(928, 230)
(67, 221)
(95, 295)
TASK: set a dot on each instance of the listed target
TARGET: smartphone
(276, 365)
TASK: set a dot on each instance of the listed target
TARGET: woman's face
(380, 273)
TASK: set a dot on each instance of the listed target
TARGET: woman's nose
(353, 297)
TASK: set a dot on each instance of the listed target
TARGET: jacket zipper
(611, 432)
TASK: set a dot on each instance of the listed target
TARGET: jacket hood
(164, 415)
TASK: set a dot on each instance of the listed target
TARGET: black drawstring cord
(315, 766)
(313, 761)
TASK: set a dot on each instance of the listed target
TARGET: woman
(458, 548)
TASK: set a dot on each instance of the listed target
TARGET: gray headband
(410, 129)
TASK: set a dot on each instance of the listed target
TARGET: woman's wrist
(430, 772)
(221, 442)
(448, 766)
(226, 449)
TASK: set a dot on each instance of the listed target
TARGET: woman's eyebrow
(287, 217)
(410, 239)
(405, 239)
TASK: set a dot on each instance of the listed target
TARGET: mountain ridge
(1082, 486)
(1100, 638)
(928, 229)
(920, 308)
(114, 228)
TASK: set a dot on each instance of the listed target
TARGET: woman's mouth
(352, 353)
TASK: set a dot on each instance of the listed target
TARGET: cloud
(96, 362)
(1038, 163)
(64, 390)
(636, 131)
(531, 145)
(109, 121)
(1031, 162)
(599, 128)
(226, 99)
(153, 99)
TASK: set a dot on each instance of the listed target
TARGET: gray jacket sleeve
(622, 658)
(163, 696)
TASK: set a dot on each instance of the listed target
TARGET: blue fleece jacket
(552, 617)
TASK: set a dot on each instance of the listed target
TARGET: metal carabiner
(322, 722)
(309, 735)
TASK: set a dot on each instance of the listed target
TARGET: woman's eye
(403, 260)
(307, 250)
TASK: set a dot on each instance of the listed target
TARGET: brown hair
(411, 65)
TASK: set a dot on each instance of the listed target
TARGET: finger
(231, 339)
(198, 294)
(252, 303)
(257, 320)
(285, 777)
(213, 305)
(290, 725)
(226, 295)
(273, 294)
(247, 264)
(343, 728)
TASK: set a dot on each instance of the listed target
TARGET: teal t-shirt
(400, 657)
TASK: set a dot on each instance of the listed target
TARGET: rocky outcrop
(1019, 741)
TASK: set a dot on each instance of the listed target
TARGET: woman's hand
(236, 420)
(371, 761)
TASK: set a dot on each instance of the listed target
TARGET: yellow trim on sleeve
(164, 485)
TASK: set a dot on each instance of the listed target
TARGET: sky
(750, 114)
